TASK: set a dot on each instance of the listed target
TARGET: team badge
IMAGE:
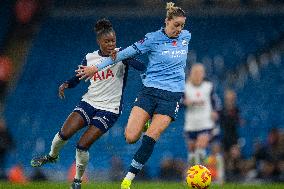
(184, 42)
(142, 40)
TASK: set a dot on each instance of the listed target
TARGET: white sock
(56, 145)
(130, 176)
(82, 159)
(220, 168)
(191, 158)
(200, 155)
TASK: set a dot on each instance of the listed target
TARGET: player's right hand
(61, 89)
(113, 54)
(86, 72)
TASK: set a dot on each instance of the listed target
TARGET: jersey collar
(101, 54)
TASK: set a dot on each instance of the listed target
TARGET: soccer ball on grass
(198, 177)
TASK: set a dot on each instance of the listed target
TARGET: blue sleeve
(144, 45)
(186, 35)
(74, 81)
(136, 64)
(121, 55)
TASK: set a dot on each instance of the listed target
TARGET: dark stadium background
(240, 42)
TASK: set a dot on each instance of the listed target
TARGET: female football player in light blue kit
(100, 106)
(164, 84)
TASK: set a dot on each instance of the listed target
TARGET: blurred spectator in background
(27, 14)
(281, 168)
(267, 170)
(5, 75)
(267, 156)
(172, 169)
(25, 10)
(6, 144)
(234, 164)
(229, 118)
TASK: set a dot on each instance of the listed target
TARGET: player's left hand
(86, 72)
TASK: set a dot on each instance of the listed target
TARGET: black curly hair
(103, 26)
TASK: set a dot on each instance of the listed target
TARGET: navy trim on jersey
(74, 81)
(136, 48)
(136, 64)
(101, 54)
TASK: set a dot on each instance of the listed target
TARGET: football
(198, 177)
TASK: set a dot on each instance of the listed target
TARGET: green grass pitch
(136, 185)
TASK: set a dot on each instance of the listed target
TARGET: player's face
(107, 43)
(197, 75)
(230, 96)
(174, 26)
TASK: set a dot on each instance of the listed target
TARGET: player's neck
(101, 53)
(165, 33)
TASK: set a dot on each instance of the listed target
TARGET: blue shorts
(157, 101)
(192, 135)
(101, 119)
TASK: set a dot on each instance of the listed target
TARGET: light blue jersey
(167, 59)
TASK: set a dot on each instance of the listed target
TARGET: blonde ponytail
(173, 11)
(170, 5)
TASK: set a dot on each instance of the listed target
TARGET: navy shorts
(192, 135)
(101, 119)
(157, 101)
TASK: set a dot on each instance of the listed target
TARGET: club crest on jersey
(174, 43)
(184, 42)
(142, 40)
(103, 75)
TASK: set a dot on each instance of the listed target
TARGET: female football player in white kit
(201, 113)
(100, 106)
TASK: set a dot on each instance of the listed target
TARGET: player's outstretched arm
(86, 72)
(71, 83)
(136, 64)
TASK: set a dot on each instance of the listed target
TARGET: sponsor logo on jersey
(142, 40)
(184, 42)
(174, 53)
(103, 75)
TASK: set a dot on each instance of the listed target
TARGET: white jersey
(105, 90)
(198, 115)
